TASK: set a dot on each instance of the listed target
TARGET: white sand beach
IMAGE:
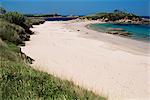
(116, 67)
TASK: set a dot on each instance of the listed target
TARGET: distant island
(117, 17)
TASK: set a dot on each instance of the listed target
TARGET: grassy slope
(19, 81)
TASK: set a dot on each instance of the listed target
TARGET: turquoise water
(140, 32)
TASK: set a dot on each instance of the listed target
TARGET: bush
(34, 21)
(9, 35)
(14, 17)
(19, 19)
(12, 33)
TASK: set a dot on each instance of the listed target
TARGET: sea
(138, 32)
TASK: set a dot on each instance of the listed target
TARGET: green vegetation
(13, 33)
(34, 21)
(18, 19)
(116, 15)
(18, 81)
(14, 17)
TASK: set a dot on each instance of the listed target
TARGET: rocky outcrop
(26, 58)
(112, 32)
(119, 33)
(115, 29)
(124, 33)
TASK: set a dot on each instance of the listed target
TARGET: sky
(76, 7)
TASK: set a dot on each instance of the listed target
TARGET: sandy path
(93, 64)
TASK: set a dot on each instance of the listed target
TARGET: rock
(22, 44)
(112, 32)
(29, 60)
(115, 29)
(124, 33)
(119, 33)
(26, 58)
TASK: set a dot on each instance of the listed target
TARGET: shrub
(12, 33)
(34, 21)
(9, 35)
(14, 17)
(19, 19)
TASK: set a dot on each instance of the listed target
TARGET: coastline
(127, 35)
(124, 43)
(58, 47)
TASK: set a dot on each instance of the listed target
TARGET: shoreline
(127, 44)
(101, 31)
(90, 61)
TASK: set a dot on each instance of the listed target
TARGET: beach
(113, 66)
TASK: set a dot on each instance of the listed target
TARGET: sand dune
(104, 67)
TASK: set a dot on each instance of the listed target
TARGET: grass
(18, 81)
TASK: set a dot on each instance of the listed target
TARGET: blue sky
(76, 7)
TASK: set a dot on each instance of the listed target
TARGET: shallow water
(139, 32)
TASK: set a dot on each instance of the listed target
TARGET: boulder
(113, 32)
(119, 33)
(115, 29)
(124, 33)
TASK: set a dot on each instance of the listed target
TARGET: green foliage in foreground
(18, 81)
